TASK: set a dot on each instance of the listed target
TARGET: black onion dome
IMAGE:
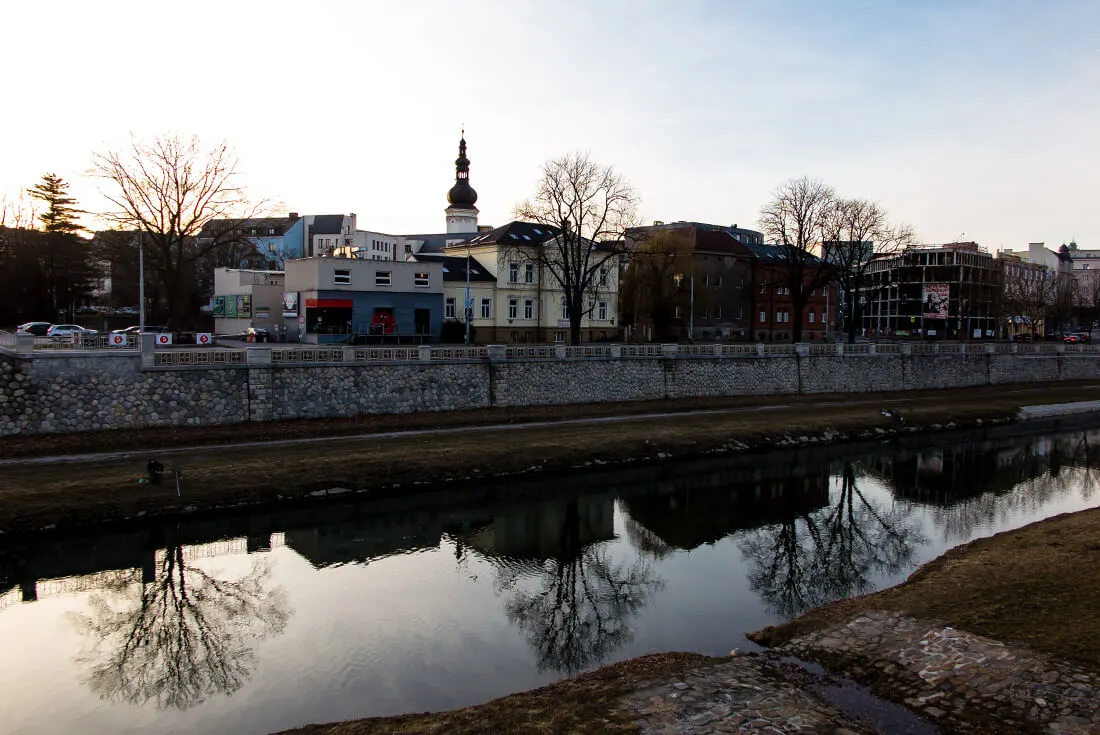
(462, 194)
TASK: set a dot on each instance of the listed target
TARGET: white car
(68, 330)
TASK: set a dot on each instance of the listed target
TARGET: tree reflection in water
(575, 607)
(814, 558)
(187, 636)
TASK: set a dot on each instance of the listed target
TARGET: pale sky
(973, 119)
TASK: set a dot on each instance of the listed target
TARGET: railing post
(559, 352)
(258, 356)
(802, 348)
(616, 351)
(840, 348)
(148, 348)
(425, 353)
(717, 349)
(24, 345)
(496, 353)
(669, 350)
(990, 348)
(872, 348)
(760, 348)
(349, 354)
(905, 348)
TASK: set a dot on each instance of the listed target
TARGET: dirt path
(413, 458)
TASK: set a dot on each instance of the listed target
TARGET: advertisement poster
(230, 306)
(219, 306)
(290, 303)
(244, 305)
(935, 300)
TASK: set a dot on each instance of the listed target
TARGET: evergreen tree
(64, 255)
(60, 215)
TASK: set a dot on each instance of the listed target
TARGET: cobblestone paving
(749, 694)
(958, 679)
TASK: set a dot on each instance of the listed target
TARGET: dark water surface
(254, 623)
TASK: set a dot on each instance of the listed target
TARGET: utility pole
(691, 316)
(467, 297)
(141, 287)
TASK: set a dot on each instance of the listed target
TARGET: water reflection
(809, 559)
(180, 635)
(562, 588)
(570, 569)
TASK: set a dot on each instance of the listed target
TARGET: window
(271, 230)
(513, 308)
(706, 313)
(740, 313)
(559, 337)
(718, 312)
(719, 283)
(486, 308)
(564, 308)
(763, 317)
(342, 278)
(706, 279)
(529, 273)
(783, 291)
(601, 311)
(422, 280)
(811, 316)
(741, 281)
(382, 278)
(763, 287)
(676, 313)
(528, 308)
(513, 272)
(450, 307)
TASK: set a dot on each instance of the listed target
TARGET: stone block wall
(81, 392)
(62, 393)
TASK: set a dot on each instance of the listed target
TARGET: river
(255, 622)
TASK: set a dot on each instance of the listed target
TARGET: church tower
(462, 214)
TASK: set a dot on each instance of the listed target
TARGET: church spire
(462, 214)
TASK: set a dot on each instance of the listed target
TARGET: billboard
(290, 303)
(934, 300)
(233, 306)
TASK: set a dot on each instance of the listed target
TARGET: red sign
(164, 339)
(203, 338)
(328, 303)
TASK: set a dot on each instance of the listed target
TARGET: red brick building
(773, 313)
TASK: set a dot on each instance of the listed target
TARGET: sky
(967, 119)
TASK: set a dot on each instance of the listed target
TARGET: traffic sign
(118, 340)
(164, 339)
(203, 338)
(302, 319)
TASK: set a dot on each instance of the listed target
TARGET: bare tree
(1029, 292)
(169, 189)
(852, 232)
(795, 219)
(591, 206)
(649, 288)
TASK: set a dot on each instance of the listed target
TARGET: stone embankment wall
(62, 392)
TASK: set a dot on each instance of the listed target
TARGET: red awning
(328, 303)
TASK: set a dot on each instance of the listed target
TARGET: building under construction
(933, 292)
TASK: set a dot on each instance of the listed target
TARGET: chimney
(292, 216)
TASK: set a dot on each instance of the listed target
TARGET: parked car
(38, 329)
(257, 334)
(1076, 337)
(68, 330)
(134, 330)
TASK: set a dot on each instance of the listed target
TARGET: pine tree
(60, 215)
(65, 257)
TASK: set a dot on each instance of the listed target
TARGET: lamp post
(467, 297)
(141, 287)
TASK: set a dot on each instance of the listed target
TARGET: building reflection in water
(160, 628)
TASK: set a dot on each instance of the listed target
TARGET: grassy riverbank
(455, 447)
(1038, 586)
